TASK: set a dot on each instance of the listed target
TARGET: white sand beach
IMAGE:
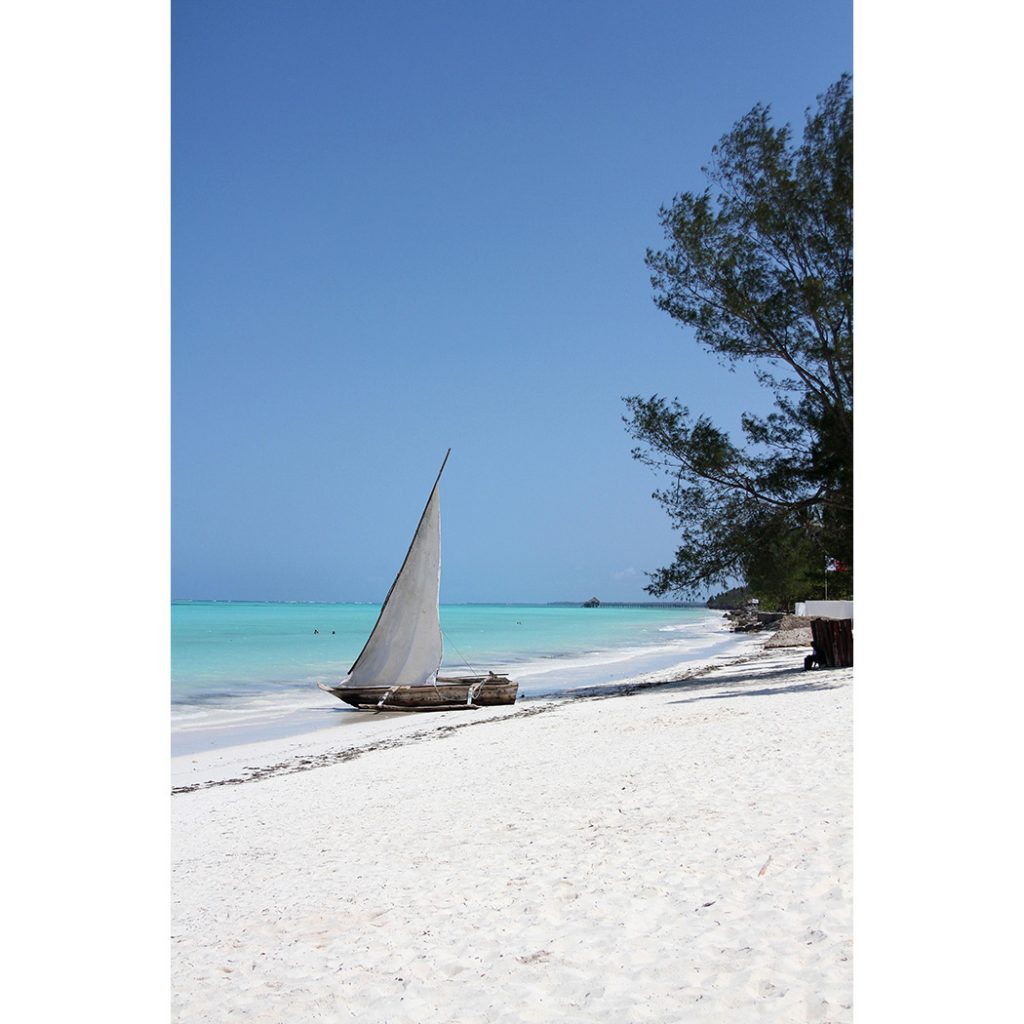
(682, 852)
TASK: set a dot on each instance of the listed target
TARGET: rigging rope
(448, 640)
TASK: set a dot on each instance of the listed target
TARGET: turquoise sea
(239, 662)
(221, 649)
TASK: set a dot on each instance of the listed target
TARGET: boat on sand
(397, 668)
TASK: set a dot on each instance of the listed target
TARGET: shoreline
(269, 715)
(315, 720)
(677, 848)
(302, 752)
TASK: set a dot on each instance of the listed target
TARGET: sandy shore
(681, 853)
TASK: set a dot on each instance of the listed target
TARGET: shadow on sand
(732, 690)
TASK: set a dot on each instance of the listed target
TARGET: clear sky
(399, 227)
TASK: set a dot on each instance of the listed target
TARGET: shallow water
(251, 668)
(223, 649)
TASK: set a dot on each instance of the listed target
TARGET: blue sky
(402, 227)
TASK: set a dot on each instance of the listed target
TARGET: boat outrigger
(397, 668)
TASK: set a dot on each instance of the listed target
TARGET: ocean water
(256, 664)
(221, 650)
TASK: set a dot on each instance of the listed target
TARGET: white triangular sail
(404, 648)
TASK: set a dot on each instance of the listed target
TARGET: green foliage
(760, 266)
(737, 597)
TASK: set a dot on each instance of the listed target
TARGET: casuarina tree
(759, 266)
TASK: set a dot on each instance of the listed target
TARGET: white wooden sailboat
(397, 668)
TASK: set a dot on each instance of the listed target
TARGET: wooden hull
(450, 694)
